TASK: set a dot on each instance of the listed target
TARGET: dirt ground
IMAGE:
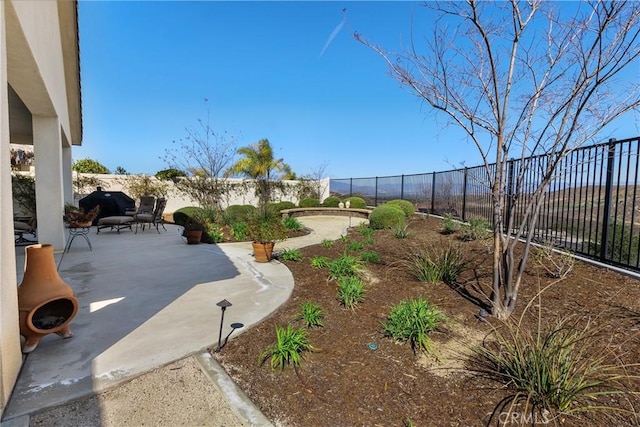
(346, 383)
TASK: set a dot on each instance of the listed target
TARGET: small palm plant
(350, 291)
(288, 348)
(312, 314)
(412, 320)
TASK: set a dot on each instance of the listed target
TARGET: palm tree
(257, 163)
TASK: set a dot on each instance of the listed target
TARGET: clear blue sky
(148, 66)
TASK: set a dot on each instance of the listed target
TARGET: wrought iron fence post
(375, 200)
(350, 187)
(608, 194)
(433, 192)
(509, 193)
(464, 195)
(402, 187)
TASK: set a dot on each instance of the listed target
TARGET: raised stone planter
(296, 212)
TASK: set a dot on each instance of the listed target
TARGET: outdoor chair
(20, 228)
(153, 219)
(145, 206)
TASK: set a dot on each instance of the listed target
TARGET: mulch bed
(345, 383)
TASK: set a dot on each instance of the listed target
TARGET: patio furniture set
(149, 213)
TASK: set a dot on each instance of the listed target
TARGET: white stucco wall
(10, 354)
(39, 60)
(177, 200)
(41, 27)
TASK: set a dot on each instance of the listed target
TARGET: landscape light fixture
(234, 326)
(223, 306)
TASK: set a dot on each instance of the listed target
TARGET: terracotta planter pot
(46, 304)
(193, 236)
(262, 251)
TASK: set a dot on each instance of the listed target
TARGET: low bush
(350, 291)
(212, 234)
(385, 216)
(288, 348)
(344, 266)
(183, 215)
(239, 230)
(320, 262)
(291, 255)
(280, 206)
(411, 320)
(370, 256)
(309, 202)
(292, 224)
(405, 205)
(312, 314)
(331, 202)
(449, 225)
(476, 229)
(437, 263)
(237, 213)
(366, 232)
(355, 202)
(355, 246)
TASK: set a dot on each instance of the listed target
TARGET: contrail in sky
(335, 32)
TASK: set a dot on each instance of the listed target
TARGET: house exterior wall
(10, 355)
(39, 61)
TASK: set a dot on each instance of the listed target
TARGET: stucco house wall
(40, 105)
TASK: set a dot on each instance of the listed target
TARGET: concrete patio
(147, 300)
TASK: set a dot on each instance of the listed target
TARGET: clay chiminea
(46, 304)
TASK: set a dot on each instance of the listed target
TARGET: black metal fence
(590, 206)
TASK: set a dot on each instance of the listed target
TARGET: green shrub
(350, 291)
(405, 205)
(182, 215)
(355, 246)
(280, 206)
(356, 202)
(366, 232)
(291, 255)
(309, 202)
(237, 213)
(411, 320)
(239, 230)
(344, 266)
(320, 262)
(289, 345)
(212, 234)
(385, 216)
(292, 224)
(449, 225)
(326, 243)
(438, 263)
(370, 256)
(331, 202)
(622, 245)
(476, 229)
(546, 368)
(312, 314)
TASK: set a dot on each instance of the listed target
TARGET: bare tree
(314, 183)
(203, 155)
(521, 79)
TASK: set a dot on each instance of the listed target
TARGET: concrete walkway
(147, 300)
